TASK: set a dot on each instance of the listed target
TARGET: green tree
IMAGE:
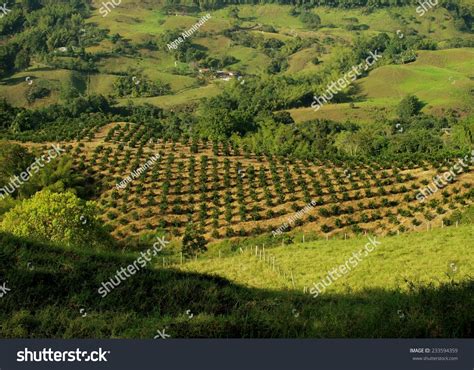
(60, 218)
(68, 92)
(234, 12)
(193, 242)
(462, 135)
(22, 60)
(409, 106)
(57, 176)
(311, 20)
(14, 159)
(347, 142)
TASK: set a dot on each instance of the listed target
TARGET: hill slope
(420, 258)
(441, 79)
(54, 295)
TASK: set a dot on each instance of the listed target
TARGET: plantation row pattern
(229, 192)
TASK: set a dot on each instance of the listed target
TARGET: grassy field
(446, 77)
(397, 291)
(446, 71)
(421, 258)
(15, 88)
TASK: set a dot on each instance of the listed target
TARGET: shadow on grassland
(54, 295)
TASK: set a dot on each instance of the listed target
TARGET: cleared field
(444, 82)
(301, 61)
(15, 88)
(441, 79)
(424, 258)
(363, 112)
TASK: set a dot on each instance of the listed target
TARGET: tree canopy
(60, 218)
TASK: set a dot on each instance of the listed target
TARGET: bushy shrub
(56, 217)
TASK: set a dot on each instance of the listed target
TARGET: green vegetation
(193, 242)
(409, 106)
(57, 175)
(137, 86)
(50, 285)
(394, 264)
(243, 161)
(61, 218)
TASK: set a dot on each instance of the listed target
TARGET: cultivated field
(231, 192)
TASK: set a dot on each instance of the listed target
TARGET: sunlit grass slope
(422, 258)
